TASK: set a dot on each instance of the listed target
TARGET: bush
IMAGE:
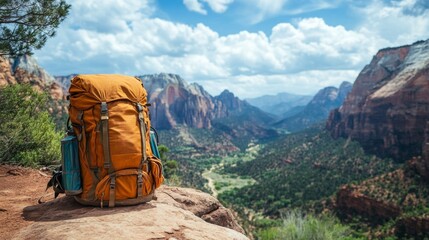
(296, 226)
(27, 133)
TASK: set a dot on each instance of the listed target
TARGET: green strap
(105, 136)
(143, 145)
(112, 192)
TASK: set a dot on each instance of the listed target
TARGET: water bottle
(71, 165)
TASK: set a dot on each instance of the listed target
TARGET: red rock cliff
(388, 107)
(26, 70)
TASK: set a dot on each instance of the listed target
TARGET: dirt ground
(19, 187)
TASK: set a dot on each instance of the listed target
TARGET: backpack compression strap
(143, 144)
(105, 135)
(106, 151)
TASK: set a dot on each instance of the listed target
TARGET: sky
(250, 47)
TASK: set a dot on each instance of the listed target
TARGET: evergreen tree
(25, 25)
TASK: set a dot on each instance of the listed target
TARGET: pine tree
(25, 25)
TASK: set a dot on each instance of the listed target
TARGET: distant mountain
(317, 110)
(280, 103)
(387, 110)
(65, 81)
(175, 102)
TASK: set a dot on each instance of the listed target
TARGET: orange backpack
(110, 118)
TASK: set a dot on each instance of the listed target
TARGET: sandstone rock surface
(388, 108)
(177, 213)
(174, 102)
(26, 70)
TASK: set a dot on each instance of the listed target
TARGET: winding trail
(206, 175)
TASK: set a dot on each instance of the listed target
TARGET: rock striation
(178, 213)
(25, 69)
(387, 109)
(175, 102)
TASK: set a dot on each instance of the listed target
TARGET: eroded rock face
(388, 107)
(176, 102)
(26, 70)
(177, 213)
(413, 226)
(351, 202)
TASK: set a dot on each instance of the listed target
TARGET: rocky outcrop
(64, 81)
(413, 226)
(388, 108)
(175, 102)
(317, 110)
(350, 202)
(25, 69)
(178, 213)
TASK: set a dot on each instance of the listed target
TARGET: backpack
(109, 158)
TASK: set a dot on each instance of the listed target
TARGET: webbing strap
(112, 191)
(139, 183)
(105, 135)
(143, 145)
(82, 126)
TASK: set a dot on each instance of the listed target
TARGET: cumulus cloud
(397, 22)
(301, 57)
(218, 6)
(195, 6)
(259, 10)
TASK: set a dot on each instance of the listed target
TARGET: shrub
(27, 133)
(296, 226)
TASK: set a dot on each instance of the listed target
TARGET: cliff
(175, 102)
(179, 213)
(26, 70)
(388, 107)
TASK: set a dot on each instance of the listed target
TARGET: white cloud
(301, 57)
(306, 83)
(217, 6)
(398, 23)
(260, 10)
(195, 6)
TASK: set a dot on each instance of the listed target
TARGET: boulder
(177, 213)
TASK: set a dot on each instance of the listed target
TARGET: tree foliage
(170, 167)
(27, 133)
(25, 25)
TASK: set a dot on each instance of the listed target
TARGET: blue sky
(251, 47)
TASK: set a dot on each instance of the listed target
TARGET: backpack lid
(88, 90)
